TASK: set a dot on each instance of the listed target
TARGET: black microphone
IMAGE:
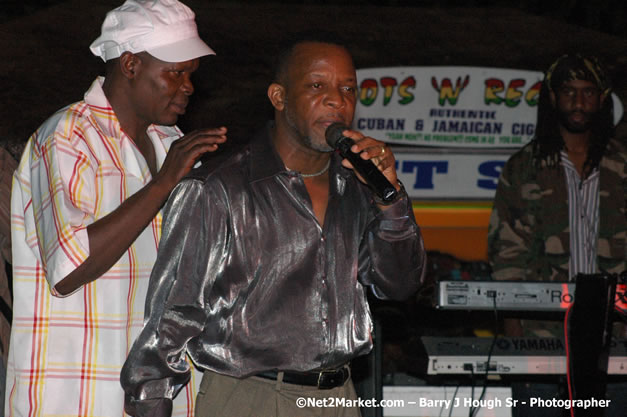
(368, 170)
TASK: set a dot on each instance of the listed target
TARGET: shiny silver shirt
(247, 280)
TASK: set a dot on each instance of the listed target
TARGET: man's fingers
(195, 151)
(203, 137)
(204, 140)
(378, 153)
(374, 150)
(214, 135)
(210, 131)
(186, 150)
(370, 146)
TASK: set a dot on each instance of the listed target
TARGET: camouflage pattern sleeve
(509, 233)
(529, 234)
(612, 243)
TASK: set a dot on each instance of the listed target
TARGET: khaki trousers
(224, 396)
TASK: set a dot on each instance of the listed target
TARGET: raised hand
(376, 151)
(186, 151)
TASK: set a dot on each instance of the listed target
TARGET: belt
(324, 379)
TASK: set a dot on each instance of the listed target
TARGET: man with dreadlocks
(559, 207)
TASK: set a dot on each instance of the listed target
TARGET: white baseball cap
(166, 29)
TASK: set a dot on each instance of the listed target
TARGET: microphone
(366, 168)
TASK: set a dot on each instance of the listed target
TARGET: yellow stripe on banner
(459, 228)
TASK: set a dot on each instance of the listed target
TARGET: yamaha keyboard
(524, 355)
(511, 295)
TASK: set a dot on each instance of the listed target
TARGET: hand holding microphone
(366, 168)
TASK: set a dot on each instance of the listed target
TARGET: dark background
(45, 62)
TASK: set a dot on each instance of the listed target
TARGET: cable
(568, 373)
(450, 410)
(452, 402)
(474, 411)
(443, 405)
(472, 390)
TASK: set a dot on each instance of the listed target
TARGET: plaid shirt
(66, 352)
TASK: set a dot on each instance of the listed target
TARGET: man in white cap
(86, 217)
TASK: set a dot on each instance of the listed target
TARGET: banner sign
(450, 106)
(444, 175)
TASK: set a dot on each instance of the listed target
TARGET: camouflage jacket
(528, 236)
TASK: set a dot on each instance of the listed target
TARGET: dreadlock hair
(548, 142)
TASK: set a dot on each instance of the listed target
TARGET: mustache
(582, 112)
(588, 121)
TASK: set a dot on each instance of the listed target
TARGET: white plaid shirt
(66, 352)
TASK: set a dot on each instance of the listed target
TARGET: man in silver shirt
(265, 260)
